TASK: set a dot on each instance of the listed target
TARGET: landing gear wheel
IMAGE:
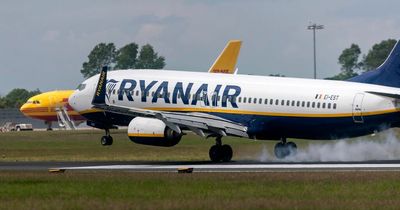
(106, 140)
(283, 150)
(215, 153)
(227, 153)
(280, 150)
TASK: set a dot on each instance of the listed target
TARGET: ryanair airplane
(159, 106)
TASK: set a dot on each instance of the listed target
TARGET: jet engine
(150, 131)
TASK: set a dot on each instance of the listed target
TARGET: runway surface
(238, 166)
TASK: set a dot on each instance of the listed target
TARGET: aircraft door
(357, 108)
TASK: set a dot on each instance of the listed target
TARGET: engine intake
(150, 131)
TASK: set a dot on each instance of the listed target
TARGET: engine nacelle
(150, 131)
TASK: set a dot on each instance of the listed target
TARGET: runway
(239, 166)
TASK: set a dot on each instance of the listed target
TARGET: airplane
(44, 106)
(160, 106)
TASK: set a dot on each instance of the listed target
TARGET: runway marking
(241, 167)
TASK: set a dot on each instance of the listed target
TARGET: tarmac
(202, 166)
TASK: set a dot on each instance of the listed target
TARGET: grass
(85, 146)
(125, 190)
(128, 190)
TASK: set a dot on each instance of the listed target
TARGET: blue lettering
(145, 89)
(164, 88)
(232, 97)
(126, 90)
(202, 94)
(215, 95)
(184, 95)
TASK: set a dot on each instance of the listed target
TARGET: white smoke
(382, 147)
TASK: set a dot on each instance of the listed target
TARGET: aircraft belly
(275, 127)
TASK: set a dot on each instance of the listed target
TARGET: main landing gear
(220, 152)
(284, 149)
(106, 140)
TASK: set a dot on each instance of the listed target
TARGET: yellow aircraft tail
(226, 61)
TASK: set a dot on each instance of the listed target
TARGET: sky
(44, 43)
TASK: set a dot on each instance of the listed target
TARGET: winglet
(226, 61)
(100, 94)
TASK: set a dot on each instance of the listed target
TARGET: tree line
(16, 97)
(126, 57)
(352, 64)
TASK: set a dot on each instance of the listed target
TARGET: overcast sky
(44, 43)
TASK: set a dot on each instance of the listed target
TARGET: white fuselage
(265, 104)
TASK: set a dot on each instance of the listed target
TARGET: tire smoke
(384, 146)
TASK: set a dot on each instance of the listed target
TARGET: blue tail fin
(100, 94)
(387, 74)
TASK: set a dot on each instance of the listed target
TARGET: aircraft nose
(23, 108)
(73, 101)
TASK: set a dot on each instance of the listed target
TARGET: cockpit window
(81, 86)
(33, 102)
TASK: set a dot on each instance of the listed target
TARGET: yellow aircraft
(51, 107)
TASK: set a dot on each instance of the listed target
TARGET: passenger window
(303, 104)
(318, 104)
(329, 105)
(271, 101)
(276, 101)
(255, 100)
(260, 101)
(137, 93)
(298, 103)
(244, 99)
(334, 106)
(249, 100)
(313, 105)
(308, 104)
(288, 103)
(114, 91)
(293, 102)
(240, 99)
(266, 101)
(283, 103)
(323, 105)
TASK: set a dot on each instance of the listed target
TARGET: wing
(199, 123)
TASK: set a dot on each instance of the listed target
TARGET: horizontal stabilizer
(390, 95)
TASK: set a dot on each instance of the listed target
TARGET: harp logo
(111, 84)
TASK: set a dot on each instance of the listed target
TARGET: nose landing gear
(220, 152)
(106, 140)
(284, 149)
